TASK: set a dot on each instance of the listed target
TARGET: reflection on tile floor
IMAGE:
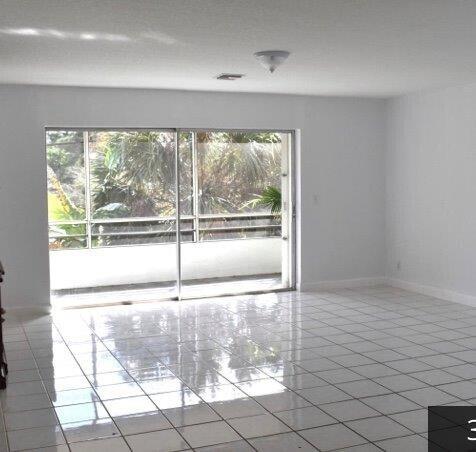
(274, 372)
(190, 289)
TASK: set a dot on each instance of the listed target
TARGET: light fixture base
(271, 59)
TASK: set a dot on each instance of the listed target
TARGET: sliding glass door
(112, 215)
(140, 215)
(240, 201)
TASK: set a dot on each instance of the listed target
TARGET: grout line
(92, 387)
(148, 395)
(44, 387)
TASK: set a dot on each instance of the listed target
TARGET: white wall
(341, 169)
(157, 263)
(431, 191)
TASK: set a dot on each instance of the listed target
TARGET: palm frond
(270, 198)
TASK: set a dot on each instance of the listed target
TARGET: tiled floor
(277, 372)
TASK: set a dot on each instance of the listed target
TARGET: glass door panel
(122, 193)
(240, 201)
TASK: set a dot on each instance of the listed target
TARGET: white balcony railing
(111, 232)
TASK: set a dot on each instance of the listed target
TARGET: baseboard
(342, 284)
(433, 291)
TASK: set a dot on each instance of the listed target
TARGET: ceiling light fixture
(271, 59)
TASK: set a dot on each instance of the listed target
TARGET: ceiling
(375, 48)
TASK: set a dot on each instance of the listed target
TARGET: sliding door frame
(178, 218)
(291, 226)
(291, 174)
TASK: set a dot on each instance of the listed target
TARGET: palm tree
(137, 170)
(270, 198)
(234, 166)
(133, 172)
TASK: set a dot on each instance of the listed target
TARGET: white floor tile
(208, 434)
(302, 418)
(73, 397)
(142, 423)
(25, 402)
(101, 445)
(238, 408)
(189, 415)
(414, 443)
(35, 437)
(332, 437)
(235, 446)
(86, 430)
(81, 412)
(261, 425)
(284, 442)
(162, 441)
(30, 419)
(119, 391)
(129, 405)
(349, 410)
(378, 428)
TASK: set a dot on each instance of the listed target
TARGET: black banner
(451, 428)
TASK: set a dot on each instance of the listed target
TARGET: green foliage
(57, 211)
(234, 166)
(65, 159)
(57, 158)
(113, 210)
(132, 173)
(269, 198)
(67, 230)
